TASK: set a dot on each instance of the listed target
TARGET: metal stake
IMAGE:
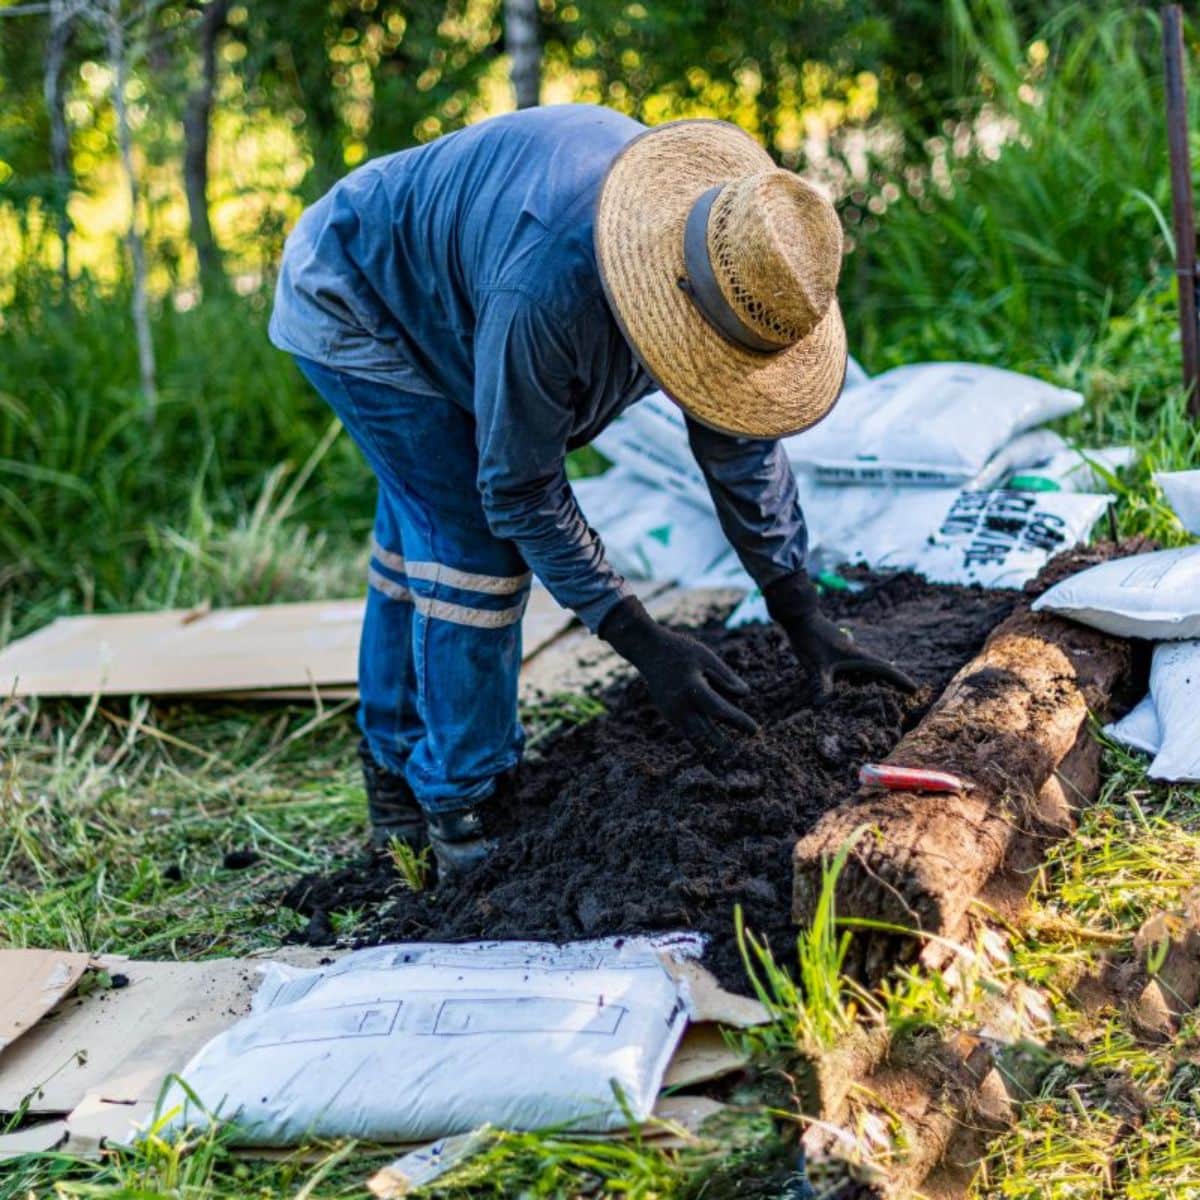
(1181, 200)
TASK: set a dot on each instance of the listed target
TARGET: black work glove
(819, 644)
(688, 682)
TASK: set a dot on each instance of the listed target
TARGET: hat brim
(647, 195)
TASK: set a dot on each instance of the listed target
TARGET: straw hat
(722, 272)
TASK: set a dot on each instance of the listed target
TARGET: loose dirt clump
(621, 827)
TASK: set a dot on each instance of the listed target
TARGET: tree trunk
(118, 61)
(62, 21)
(524, 51)
(197, 118)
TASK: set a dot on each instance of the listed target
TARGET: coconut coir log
(928, 1110)
(1005, 724)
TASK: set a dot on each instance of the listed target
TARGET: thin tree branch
(62, 23)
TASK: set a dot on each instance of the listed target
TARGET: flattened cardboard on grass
(276, 651)
(31, 984)
(180, 651)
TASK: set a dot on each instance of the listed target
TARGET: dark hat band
(702, 287)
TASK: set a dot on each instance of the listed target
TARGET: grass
(1013, 251)
(1116, 1116)
(1052, 257)
(411, 866)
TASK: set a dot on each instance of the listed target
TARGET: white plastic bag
(887, 528)
(752, 610)
(1182, 489)
(604, 498)
(1138, 729)
(726, 572)
(1154, 596)
(1175, 688)
(997, 538)
(649, 533)
(410, 1042)
(650, 439)
(856, 376)
(927, 424)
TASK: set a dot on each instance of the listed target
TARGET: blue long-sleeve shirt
(465, 269)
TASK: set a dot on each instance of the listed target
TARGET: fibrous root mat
(622, 827)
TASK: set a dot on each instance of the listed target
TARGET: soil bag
(1002, 538)
(996, 539)
(605, 498)
(411, 1042)
(649, 533)
(856, 376)
(1138, 729)
(1154, 596)
(1182, 489)
(929, 423)
(1175, 688)
(1025, 452)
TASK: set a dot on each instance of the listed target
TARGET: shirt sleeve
(754, 490)
(524, 380)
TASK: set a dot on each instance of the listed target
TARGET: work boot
(458, 840)
(393, 809)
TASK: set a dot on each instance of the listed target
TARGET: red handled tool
(910, 779)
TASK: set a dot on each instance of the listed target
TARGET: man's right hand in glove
(688, 683)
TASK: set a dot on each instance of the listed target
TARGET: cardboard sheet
(125, 1039)
(121, 1042)
(37, 1139)
(181, 651)
(278, 651)
(704, 1055)
(711, 1002)
(32, 982)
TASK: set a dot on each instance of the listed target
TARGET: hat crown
(775, 245)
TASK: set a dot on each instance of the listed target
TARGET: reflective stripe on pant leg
(467, 581)
(389, 587)
(446, 610)
(467, 655)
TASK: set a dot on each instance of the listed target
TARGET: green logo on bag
(661, 534)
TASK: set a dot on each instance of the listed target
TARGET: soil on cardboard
(621, 827)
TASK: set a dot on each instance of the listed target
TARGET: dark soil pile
(621, 827)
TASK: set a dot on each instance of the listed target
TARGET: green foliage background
(1008, 208)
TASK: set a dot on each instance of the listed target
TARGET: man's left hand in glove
(819, 644)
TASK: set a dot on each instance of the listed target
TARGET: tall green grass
(1034, 225)
(105, 503)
